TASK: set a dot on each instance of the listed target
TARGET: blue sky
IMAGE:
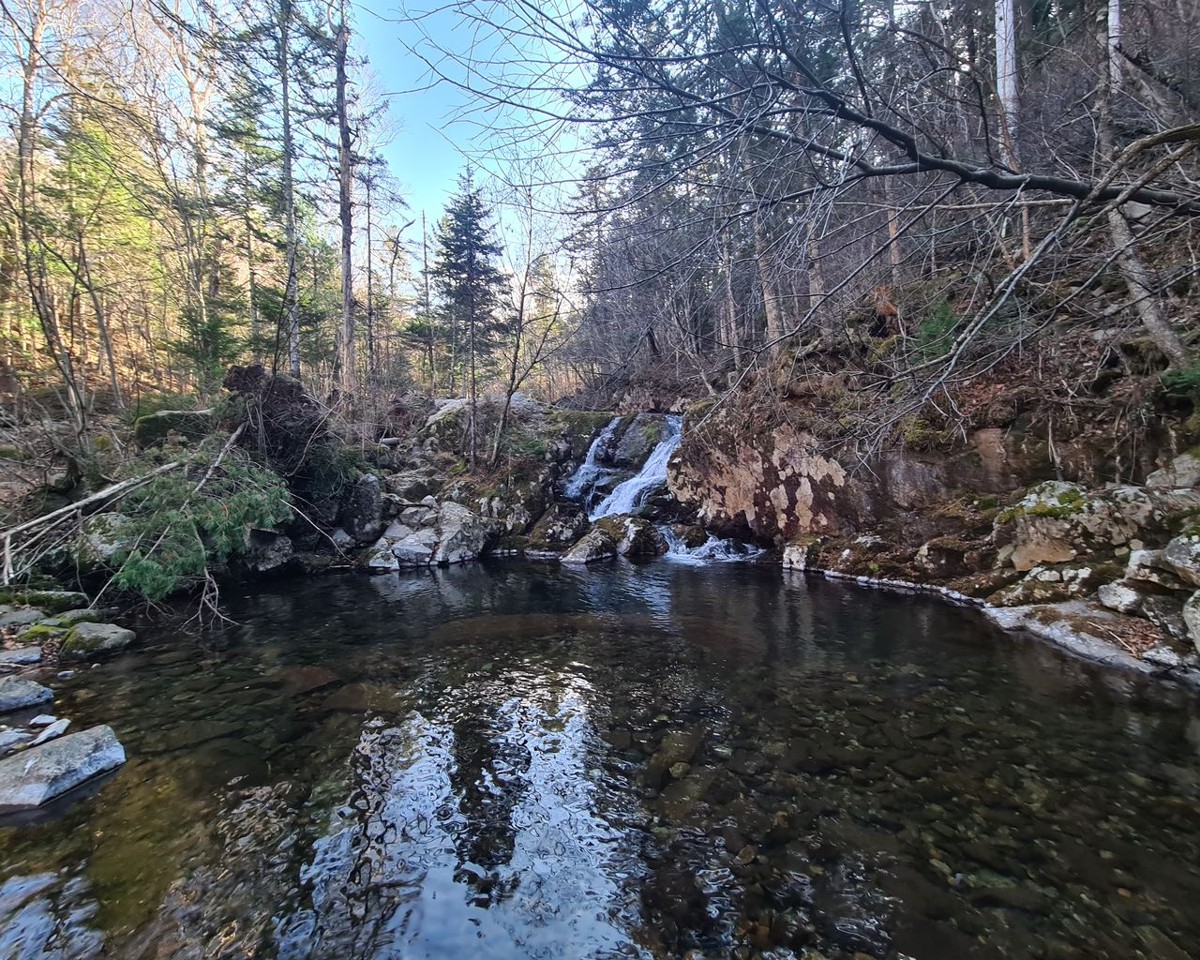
(422, 154)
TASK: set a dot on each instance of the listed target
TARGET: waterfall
(629, 496)
(579, 487)
(711, 551)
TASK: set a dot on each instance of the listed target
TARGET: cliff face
(784, 483)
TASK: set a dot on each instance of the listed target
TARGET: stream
(631, 760)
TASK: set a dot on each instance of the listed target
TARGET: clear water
(627, 761)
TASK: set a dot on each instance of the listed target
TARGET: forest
(890, 213)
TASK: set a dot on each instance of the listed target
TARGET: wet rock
(17, 693)
(33, 777)
(462, 535)
(362, 514)
(595, 545)
(52, 731)
(20, 657)
(556, 530)
(85, 640)
(10, 739)
(634, 536)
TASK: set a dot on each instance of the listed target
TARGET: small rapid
(713, 550)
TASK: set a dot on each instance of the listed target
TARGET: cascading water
(628, 497)
(590, 473)
(712, 550)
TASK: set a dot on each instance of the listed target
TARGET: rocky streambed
(658, 760)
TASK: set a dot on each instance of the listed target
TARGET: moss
(51, 601)
(42, 631)
(1065, 503)
(153, 428)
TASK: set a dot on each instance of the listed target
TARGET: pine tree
(468, 283)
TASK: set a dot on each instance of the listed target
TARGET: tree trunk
(291, 290)
(347, 360)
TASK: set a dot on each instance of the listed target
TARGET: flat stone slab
(20, 657)
(17, 694)
(39, 774)
(21, 618)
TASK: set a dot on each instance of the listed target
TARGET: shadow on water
(512, 760)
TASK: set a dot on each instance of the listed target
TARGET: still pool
(510, 760)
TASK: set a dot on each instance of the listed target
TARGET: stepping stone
(35, 776)
(17, 694)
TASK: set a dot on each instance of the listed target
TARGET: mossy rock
(41, 632)
(52, 601)
(153, 427)
(86, 640)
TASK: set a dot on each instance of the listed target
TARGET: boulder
(52, 601)
(634, 536)
(397, 531)
(362, 514)
(1182, 556)
(38, 775)
(153, 428)
(596, 545)
(556, 530)
(413, 485)
(636, 441)
(267, 550)
(18, 694)
(416, 550)
(462, 535)
(1181, 473)
(85, 640)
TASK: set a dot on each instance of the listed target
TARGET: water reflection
(513, 760)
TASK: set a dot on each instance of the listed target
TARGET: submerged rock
(40, 774)
(17, 693)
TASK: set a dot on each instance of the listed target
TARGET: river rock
(10, 739)
(413, 485)
(595, 545)
(462, 535)
(556, 530)
(634, 536)
(1182, 556)
(643, 433)
(21, 617)
(35, 776)
(17, 693)
(416, 550)
(380, 558)
(51, 732)
(362, 515)
(87, 639)
(20, 657)
(53, 601)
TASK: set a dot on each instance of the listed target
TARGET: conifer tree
(469, 285)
